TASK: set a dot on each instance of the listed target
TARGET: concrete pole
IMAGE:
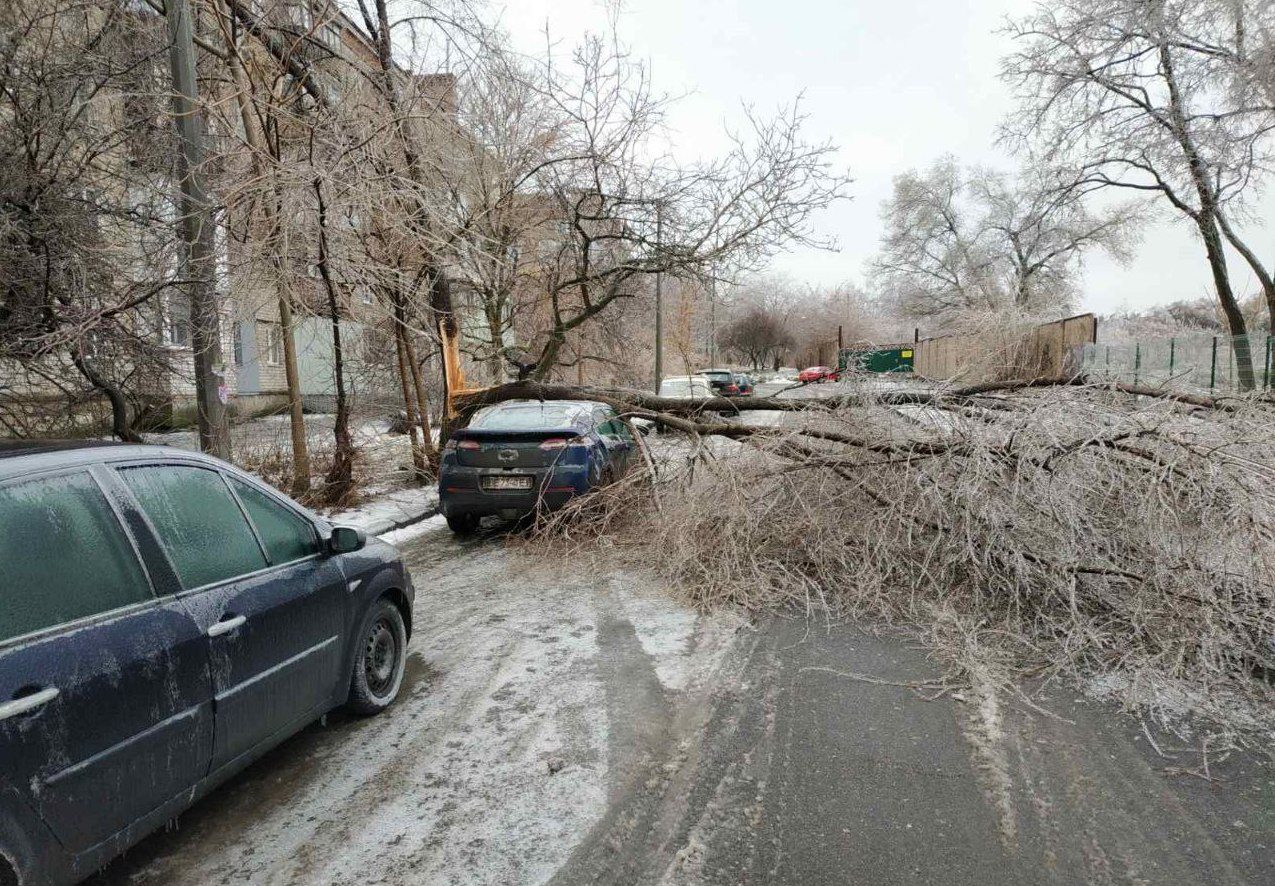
(211, 390)
(712, 322)
(659, 306)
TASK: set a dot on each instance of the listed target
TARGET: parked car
(524, 455)
(722, 382)
(744, 384)
(693, 387)
(166, 619)
(817, 374)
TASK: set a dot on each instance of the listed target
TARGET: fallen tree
(1103, 533)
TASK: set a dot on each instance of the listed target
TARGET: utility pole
(712, 321)
(659, 305)
(211, 391)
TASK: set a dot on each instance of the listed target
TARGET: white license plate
(514, 481)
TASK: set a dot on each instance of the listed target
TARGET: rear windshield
(527, 418)
(675, 388)
(718, 376)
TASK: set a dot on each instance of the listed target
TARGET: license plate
(507, 481)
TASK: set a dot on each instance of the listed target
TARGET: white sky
(894, 83)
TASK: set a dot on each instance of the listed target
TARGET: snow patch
(398, 537)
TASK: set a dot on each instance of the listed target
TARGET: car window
(63, 555)
(527, 418)
(198, 521)
(285, 534)
(621, 430)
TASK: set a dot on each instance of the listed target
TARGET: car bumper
(460, 492)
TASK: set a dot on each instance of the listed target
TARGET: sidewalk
(393, 510)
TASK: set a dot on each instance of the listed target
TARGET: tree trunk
(121, 424)
(409, 394)
(1263, 275)
(428, 448)
(495, 332)
(339, 483)
(296, 411)
(1207, 224)
(270, 207)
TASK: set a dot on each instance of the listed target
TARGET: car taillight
(469, 444)
(561, 442)
(732, 389)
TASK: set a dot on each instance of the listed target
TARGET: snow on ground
(405, 534)
(391, 510)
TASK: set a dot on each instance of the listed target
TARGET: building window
(273, 343)
(299, 12)
(331, 36)
(177, 322)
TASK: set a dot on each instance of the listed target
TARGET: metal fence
(1189, 363)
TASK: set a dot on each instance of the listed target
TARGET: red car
(817, 374)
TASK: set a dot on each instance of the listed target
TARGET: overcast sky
(894, 83)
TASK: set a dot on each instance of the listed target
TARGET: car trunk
(515, 449)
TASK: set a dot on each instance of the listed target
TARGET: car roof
(18, 457)
(699, 378)
(12, 448)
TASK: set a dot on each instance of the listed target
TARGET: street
(566, 723)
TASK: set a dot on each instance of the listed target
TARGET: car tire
(462, 524)
(379, 659)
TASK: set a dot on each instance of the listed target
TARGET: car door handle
(226, 625)
(27, 702)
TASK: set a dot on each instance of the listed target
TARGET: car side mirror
(346, 540)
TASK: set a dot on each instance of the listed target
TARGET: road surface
(572, 724)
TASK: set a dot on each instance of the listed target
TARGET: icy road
(573, 725)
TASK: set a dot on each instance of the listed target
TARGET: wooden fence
(1047, 351)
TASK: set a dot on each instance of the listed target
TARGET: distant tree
(959, 240)
(1144, 96)
(758, 337)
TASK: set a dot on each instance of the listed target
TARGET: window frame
(124, 464)
(92, 469)
(272, 353)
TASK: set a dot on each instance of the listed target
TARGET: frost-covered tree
(971, 240)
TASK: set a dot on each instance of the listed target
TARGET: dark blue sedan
(165, 619)
(525, 455)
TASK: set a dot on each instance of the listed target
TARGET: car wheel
(462, 524)
(379, 659)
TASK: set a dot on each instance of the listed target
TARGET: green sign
(882, 360)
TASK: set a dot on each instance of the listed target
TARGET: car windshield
(718, 376)
(528, 418)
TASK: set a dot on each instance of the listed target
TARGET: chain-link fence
(1189, 362)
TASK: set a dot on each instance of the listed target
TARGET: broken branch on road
(1113, 535)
